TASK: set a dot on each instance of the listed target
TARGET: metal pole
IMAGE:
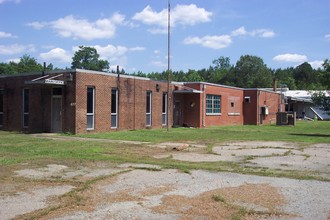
(168, 64)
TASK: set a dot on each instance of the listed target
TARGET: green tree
(249, 72)
(321, 101)
(285, 76)
(305, 76)
(88, 58)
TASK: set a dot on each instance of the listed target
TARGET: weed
(218, 198)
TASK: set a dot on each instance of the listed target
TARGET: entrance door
(57, 114)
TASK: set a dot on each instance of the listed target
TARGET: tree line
(248, 72)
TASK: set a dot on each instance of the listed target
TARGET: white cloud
(327, 36)
(15, 60)
(265, 33)
(137, 49)
(16, 48)
(6, 35)
(15, 1)
(37, 25)
(289, 57)
(214, 42)
(79, 28)
(316, 64)
(239, 31)
(185, 15)
(57, 54)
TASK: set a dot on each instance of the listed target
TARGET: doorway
(177, 118)
(56, 110)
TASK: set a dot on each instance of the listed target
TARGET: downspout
(203, 106)
(118, 99)
(258, 107)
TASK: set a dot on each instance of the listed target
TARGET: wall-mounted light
(192, 104)
(157, 87)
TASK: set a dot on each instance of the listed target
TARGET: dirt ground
(103, 190)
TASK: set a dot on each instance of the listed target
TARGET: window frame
(212, 105)
(90, 114)
(149, 110)
(26, 107)
(114, 113)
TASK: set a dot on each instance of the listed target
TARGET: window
(213, 104)
(25, 108)
(247, 99)
(164, 109)
(90, 108)
(148, 108)
(114, 108)
(1, 107)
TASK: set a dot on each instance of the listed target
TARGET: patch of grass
(304, 131)
(218, 198)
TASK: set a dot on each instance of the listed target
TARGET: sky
(133, 33)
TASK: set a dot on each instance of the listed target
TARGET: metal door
(57, 114)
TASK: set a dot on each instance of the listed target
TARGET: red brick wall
(132, 101)
(259, 98)
(229, 115)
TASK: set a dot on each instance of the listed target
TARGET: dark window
(164, 109)
(114, 108)
(148, 108)
(57, 91)
(26, 107)
(90, 108)
(1, 107)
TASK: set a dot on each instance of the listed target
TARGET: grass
(304, 131)
(16, 148)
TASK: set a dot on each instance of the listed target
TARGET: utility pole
(168, 64)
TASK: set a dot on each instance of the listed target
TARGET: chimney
(44, 70)
(274, 85)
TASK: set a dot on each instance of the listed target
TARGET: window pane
(114, 121)
(26, 101)
(90, 100)
(1, 100)
(164, 119)
(164, 102)
(57, 91)
(1, 119)
(90, 121)
(148, 120)
(26, 120)
(148, 104)
(114, 101)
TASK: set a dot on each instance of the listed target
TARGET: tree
(305, 76)
(321, 101)
(88, 58)
(249, 72)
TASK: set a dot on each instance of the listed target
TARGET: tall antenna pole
(168, 63)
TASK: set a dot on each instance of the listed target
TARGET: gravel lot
(142, 191)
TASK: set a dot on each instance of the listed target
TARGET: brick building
(81, 101)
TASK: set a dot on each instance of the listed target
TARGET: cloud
(185, 15)
(15, 1)
(79, 28)
(57, 54)
(265, 33)
(6, 35)
(327, 37)
(214, 42)
(158, 64)
(289, 57)
(316, 64)
(16, 48)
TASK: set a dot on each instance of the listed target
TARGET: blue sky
(133, 33)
